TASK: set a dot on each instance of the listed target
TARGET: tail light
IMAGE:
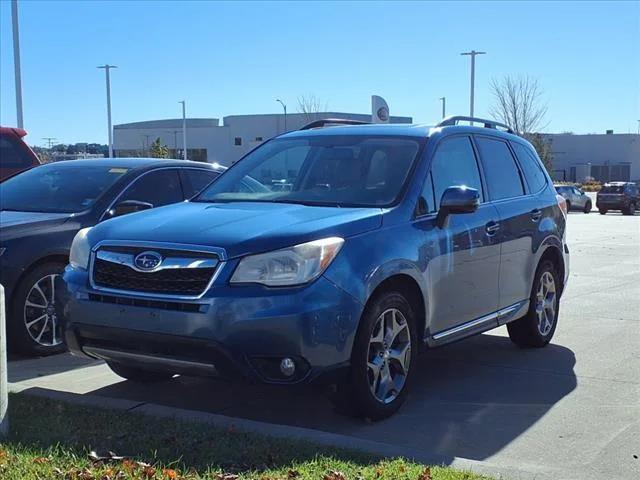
(562, 203)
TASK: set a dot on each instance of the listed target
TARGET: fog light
(287, 367)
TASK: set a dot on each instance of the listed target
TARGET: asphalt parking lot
(571, 410)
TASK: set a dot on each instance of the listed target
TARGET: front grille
(147, 303)
(186, 279)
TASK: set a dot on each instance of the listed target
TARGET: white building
(209, 141)
(608, 157)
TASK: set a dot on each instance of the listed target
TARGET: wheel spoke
(29, 303)
(385, 384)
(37, 288)
(52, 279)
(399, 356)
(33, 322)
(54, 326)
(44, 327)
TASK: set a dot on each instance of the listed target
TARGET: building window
(238, 141)
(258, 139)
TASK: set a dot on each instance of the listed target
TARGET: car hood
(240, 228)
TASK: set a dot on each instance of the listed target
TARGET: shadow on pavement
(470, 399)
(23, 368)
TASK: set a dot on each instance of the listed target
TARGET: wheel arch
(554, 254)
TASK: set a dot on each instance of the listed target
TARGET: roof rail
(332, 121)
(486, 123)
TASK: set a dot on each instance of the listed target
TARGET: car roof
(395, 129)
(136, 163)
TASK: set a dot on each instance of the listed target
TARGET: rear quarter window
(531, 168)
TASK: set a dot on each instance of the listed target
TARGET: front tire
(34, 327)
(631, 209)
(602, 211)
(568, 206)
(587, 207)
(537, 327)
(138, 375)
(384, 351)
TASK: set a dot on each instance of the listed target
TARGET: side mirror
(129, 206)
(458, 199)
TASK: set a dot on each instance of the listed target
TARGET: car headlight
(289, 266)
(80, 250)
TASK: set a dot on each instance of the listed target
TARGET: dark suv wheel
(630, 210)
(537, 327)
(603, 211)
(587, 207)
(384, 351)
(34, 326)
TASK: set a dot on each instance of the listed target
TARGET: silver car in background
(576, 198)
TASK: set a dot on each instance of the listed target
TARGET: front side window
(536, 179)
(160, 187)
(194, 180)
(57, 188)
(454, 164)
(356, 171)
(500, 169)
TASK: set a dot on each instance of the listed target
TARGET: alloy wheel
(40, 317)
(389, 355)
(546, 303)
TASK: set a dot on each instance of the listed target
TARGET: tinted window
(500, 169)
(331, 170)
(63, 188)
(12, 155)
(158, 188)
(194, 180)
(533, 173)
(454, 164)
(612, 189)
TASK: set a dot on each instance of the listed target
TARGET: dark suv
(388, 239)
(623, 196)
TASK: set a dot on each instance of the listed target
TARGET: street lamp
(106, 68)
(16, 62)
(184, 129)
(285, 112)
(443, 100)
(473, 54)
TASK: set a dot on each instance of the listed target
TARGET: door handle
(536, 214)
(492, 228)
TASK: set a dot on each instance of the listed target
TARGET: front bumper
(235, 332)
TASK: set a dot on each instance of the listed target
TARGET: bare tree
(311, 106)
(518, 103)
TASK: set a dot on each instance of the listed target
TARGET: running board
(482, 324)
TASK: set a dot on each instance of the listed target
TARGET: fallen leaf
(426, 474)
(293, 474)
(148, 471)
(226, 476)
(334, 475)
(40, 460)
(169, 473)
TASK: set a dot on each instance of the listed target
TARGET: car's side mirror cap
(456, 200)
(128, 206)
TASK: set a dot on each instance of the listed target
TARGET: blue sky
(237, 58)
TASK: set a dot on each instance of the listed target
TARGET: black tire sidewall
(19, 339)
(365, 403)
(540, 340)
(588, 207)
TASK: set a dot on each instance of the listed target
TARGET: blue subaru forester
(334, 252)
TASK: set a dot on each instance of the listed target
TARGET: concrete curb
(291, 432)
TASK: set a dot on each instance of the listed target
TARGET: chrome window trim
(130, 184)
(219, 252)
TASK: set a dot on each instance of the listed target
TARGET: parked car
(576, 198)
(393, 238)
(42, 209)
(15, 154)
(624, 196)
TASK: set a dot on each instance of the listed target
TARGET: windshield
(345, 171)
(57, 188)
(612, 189)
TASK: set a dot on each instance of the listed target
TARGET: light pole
(473, 54)
(285, 113)
(443, 100)
(106, 68)
(16, 62)
(184, 129)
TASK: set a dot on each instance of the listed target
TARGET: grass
(54, 440)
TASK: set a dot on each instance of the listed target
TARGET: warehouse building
(208, 141)
(608, 157)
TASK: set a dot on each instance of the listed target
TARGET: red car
(15, 154)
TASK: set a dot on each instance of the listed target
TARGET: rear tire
(630, 210)
(568, 206)
(139, 375)
(602, 211)
(33, 324)
(384, 351)
(587, 207)
(537, 327)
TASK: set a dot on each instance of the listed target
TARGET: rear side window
(12, 154)
(454, 164)
(533, 173)
(500, 169)
(194, 180)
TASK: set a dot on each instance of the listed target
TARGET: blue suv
(335, 252)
